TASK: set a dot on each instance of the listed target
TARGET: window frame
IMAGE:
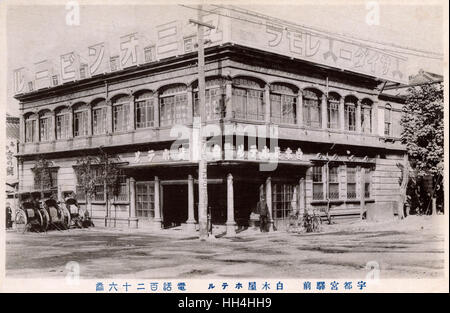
(308, 108)
(287, 98)
(103, 108)
(387, 122)
(62, 131)
(148, 102)
(83, 111)
(122, 103)
(350, 115)
(317, 172)
(251, 90)
(353, 182)
(333, 100)
(176, 106)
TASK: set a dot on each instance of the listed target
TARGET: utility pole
(202, 164)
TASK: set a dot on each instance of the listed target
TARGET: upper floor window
(387, 119)
(80, 121)
(173, 105)
(144, 114)
(248, 101)
(312, 111)
(99, 117)
(121, 113)
(333, 110)
(62, 123)
(366, 116)
(214, 99)
(30, 128)
(350, 113)
(282, 104)
(45, 126)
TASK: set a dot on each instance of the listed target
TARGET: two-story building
(301, 134)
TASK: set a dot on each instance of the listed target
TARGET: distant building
(12, 144)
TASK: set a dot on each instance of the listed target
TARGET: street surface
(412, 248)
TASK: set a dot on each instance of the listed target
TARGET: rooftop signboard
(179, 37)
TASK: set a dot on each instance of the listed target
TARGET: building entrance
(175, 205)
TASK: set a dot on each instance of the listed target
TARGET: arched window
(366, 116)
(387, 119)
(248, 100)
(333, 110)
(283, 101)
(30, 128)
(80, 120)
(350, 113)
(121, 113)
(45, 126)
(214, 101)
(62, 123)
(173, 105)
(99, 117)
(312, 112)
(144, 113)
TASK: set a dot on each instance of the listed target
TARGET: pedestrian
(263, 211)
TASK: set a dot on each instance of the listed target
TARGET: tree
(103, 170)
(423, 134)
(42, 171)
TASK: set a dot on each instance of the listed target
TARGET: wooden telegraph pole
(202, 165)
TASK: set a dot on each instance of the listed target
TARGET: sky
(37, 32)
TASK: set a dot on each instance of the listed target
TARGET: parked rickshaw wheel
(45, 219)
(20, 221)
(66, 218)
(41, 221)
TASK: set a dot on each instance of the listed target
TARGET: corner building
(334, 133)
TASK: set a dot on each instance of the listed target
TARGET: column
(358, 116)
(22, 129)
(70, 130)
(299, 108)
(374, 117)
(324, 112)
(341, 114)
(190, 103)
(89, 120)
(231, 224)
(157, 218)
(362, 191)
(269, 201)
(156, 108)
(109, 117)
(132, 193)
(228, 100)
(191, 219)
(53, 126)
(131, 123)
(132, 220)
(266, 100)
(302, 196)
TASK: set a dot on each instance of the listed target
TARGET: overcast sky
(40, 32)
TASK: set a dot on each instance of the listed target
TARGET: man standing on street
(263, 211)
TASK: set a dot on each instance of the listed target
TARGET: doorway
(175, 205)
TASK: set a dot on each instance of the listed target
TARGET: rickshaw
(55, 216)
(27, 214)
(79, 216)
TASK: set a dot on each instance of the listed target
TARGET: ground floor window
(351, 182)
(122, 192)
(333, 182)
(317, 183)
(367, 181)
(282, 200)
(145, 199)
(45, 179)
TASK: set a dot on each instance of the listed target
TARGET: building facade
(299, 134)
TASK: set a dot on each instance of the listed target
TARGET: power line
(319, 34)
